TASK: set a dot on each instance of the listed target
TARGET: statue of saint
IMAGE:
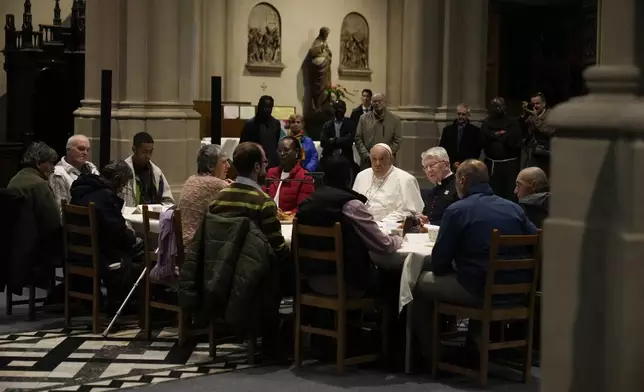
(320, 74)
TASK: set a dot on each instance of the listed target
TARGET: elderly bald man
(377, 126)
(392, 194)
(532, 191)
(73, 164)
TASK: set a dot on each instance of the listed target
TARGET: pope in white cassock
(392, 193)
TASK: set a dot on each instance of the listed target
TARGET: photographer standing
(537, 138)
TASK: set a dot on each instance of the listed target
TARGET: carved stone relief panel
(264, 52)
(354, 46)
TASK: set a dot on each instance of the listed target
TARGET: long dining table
(411, 259)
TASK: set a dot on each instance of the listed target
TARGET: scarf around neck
(299, 135)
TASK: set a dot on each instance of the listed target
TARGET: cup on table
(432, 232)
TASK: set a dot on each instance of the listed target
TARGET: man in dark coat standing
(337, 137)
(461, 139)
(501, 139)
(264, 130)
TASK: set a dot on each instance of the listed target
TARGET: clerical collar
(447, 179)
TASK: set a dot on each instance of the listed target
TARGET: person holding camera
(538, 134)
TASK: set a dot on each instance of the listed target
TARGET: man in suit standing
(461, 139)
(364, 107)
(377, 126)
(337, 137)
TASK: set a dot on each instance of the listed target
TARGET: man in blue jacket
(461, 254)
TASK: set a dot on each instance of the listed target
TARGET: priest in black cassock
(437, 199)
(461, 139)
(501, 140)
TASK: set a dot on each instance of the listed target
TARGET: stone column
(212, 17)
(474, 56)
(422, 32)
(594, 238)
(152, 79)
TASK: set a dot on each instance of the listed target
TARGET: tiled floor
(75, 360)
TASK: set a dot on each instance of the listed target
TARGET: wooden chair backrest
(531, 262)
(150, 239)
(334, 256)
(89, 231)
(178, 234)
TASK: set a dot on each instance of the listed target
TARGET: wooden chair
(496, 312)
(150, 240)
(339, 304)
(90, 232)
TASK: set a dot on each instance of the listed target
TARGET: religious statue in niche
(320, 58)
(264, 52)
(354, 46)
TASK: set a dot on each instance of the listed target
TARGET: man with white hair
(392, 194)
(377, 126)
(73, 164)
(436, 164)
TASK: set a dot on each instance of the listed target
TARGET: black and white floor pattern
(72, 359)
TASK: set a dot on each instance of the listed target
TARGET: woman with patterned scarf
(309, 154)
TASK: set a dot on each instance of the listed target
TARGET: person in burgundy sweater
(297, 187)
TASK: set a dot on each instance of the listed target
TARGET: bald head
(378, 102)
(78, 149)
(531, 180)
(470, 172)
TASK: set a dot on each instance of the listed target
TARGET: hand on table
(229, 181)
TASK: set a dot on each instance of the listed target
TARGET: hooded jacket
(536, 207)
(116, 240)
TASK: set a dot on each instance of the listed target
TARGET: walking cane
(118, 313)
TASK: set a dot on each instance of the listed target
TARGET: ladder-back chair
(150, 242)
(497, 311)
(339, 304)
(73, 235)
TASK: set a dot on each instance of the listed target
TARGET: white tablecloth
(228, 145)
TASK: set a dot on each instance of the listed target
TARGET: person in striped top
(245, 198)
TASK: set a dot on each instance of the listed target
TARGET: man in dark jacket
(264, 130)
(532, 191)
(501, 135)
(37, 244)
(461, 139)
(365, 106)
(337, 137)
(360, 233)
(461, 254)
(443, 194)
(116, 240)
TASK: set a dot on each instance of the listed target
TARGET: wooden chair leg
(96, 302)
(386, 352)
(484, 356)
(252, 343)
(297, 346)
(527, 366)
(68, 312)
(183, 318)
(32, 303)
(9, 302)
(147, 327)
(341, 340)
(212, 344)
(436, 341)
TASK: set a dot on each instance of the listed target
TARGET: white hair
(71, 142)
(435, 152)
(464, 106)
